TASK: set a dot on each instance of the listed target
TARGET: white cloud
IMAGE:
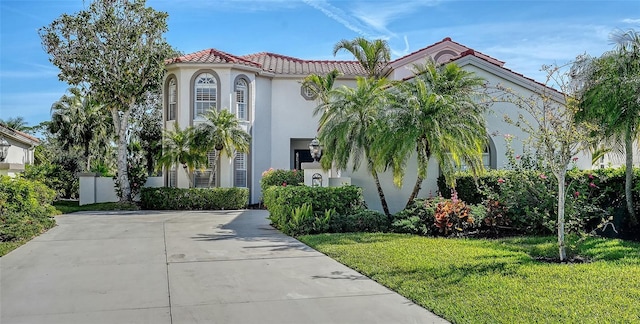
(631, 21)
(339, 16)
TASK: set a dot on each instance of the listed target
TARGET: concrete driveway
(186, 267)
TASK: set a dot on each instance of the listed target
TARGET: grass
(67, 207)
(498, 281)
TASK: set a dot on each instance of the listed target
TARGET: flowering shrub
(280, 177)
(453, 216)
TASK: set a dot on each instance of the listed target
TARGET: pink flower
(574, 159)
(577, 193)
(500, 180)
(517, 157)
(508, 136)
(542, 176)
(284, 184)
(592, 185)
(590, 176)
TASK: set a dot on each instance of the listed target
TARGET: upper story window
(242, 92)
(205, 87)
(172, 100)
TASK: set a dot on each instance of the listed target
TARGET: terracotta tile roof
(211, 56)
(281, 64)
(8, 130)
(482, 57)
(448, 39)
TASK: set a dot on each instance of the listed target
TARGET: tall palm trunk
(383, 200)
(415, 191)
(628, 183)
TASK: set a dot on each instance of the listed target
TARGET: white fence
(95, 189)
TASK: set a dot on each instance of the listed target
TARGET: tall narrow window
(206, 178)
(173, 98)
(172, 178)
(205, 94)
(241, 99)
(240, 170)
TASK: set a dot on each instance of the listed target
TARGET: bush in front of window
(166, 198)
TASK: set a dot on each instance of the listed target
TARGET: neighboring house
(265, 92)
(19, 151)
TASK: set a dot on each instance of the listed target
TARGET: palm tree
(16, 123)
(374, 55)
(611, 97)
(436, 115)
(349, 128)
(223, 133)
(180, 147)
(321, 86)
(79, 121)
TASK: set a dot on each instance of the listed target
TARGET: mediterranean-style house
(265, 92)
(16, 150)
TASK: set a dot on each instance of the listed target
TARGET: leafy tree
(223, 133)
(437, 115)
(16, 123)
(79, 121)
(180, 147)
(146, 127)
(610, 96)
(553, 132)
(350, 125)
(116, 50)
(374, 55)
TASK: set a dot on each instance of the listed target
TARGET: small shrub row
(443, 217)
(25, 208)
(299, 210)
(528, 199)
(280, 177)
(194, 198)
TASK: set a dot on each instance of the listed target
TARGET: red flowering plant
(453, 217)
(281, 177)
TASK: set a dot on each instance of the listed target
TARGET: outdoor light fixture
(315, 149)
(4, 149)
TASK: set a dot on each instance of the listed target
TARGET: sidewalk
(186, 267)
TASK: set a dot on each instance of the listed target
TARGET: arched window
(205, 96)
(242, 95)
(172, 99)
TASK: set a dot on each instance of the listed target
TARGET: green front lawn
(498, 281)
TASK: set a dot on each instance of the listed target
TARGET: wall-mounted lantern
(315, 149)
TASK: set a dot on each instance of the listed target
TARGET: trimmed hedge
(194, 198)
(280, 177)
(529, 198)
(25, 208)
(313, 203)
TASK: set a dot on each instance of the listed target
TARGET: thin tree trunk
(121, 124)
(416, 190)
(88, 156)
(189, 176)
(383, 200)
(561, 200)
(628, 183)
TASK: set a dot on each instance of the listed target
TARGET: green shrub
(304, 221)
(25, 208)
(282, 203)
(194, 198)
(280, 177)
(417, 218)
(366, 220)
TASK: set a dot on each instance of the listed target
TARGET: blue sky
(524, 34)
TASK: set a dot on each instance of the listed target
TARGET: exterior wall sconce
(4, 149)
(315, 149)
